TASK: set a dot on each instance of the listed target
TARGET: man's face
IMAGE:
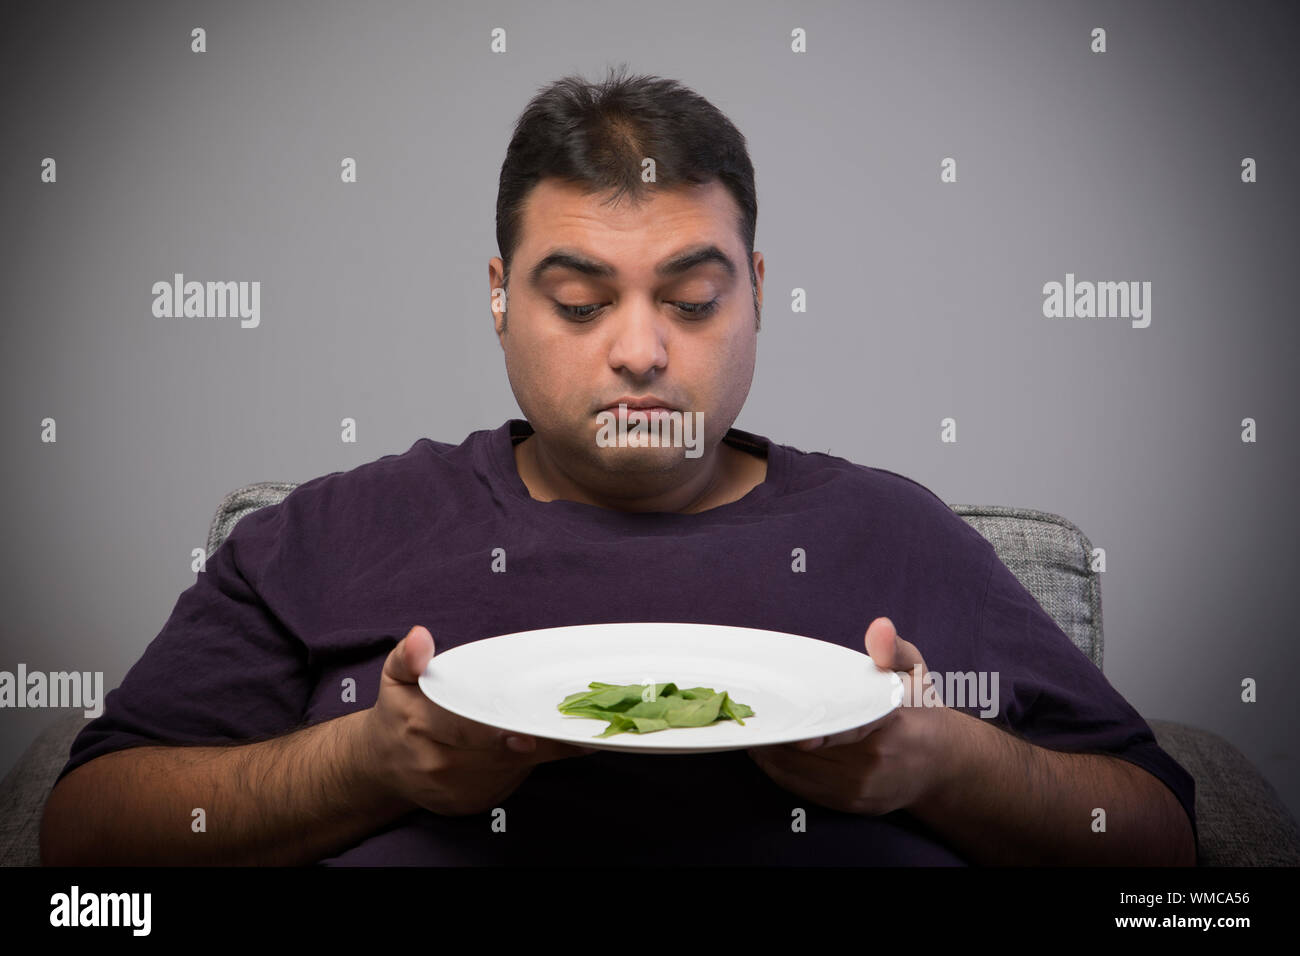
(633, 332)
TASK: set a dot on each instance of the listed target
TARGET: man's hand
(886, 765)
(434, 758)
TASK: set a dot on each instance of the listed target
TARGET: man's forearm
(287, 801)
(1013, 803)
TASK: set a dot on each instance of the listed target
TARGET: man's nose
(639, 343)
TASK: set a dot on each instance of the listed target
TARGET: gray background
(924, 299)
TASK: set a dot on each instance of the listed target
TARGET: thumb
(890, 651)
(406, 661)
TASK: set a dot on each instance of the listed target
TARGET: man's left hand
(883, 766)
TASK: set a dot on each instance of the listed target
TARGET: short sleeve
(1054, 696)
(223, 669)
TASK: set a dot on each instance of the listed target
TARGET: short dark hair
(596, 136)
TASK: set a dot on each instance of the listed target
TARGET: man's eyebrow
(568, 259)
(694, 257)
(682, 262)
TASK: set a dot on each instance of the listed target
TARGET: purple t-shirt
(320, 586)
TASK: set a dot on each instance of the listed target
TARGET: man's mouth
(651, 405)
(653, 411)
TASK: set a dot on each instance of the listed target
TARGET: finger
(407, 661)
(890, 651)
(503, 757)
(542, 748)
(851, 736)
(834, 740)
(911, 655)
(461, 733)
(792, 771)
(545, 749)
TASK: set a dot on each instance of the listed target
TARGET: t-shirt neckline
(502, 441)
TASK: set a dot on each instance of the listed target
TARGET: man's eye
(576, 311)
(698, 309)
(584, 313)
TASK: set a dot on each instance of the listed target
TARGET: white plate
(798, 687)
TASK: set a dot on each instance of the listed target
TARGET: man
(275, 708)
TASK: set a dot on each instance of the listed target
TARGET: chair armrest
(27, 786)
(1240, 819)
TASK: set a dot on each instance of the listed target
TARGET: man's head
(625, 222)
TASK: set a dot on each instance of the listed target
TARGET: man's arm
(297, 798)
(287, 801)
(1005, 801)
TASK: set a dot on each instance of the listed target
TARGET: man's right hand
(436, 759)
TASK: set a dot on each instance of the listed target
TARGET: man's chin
(649, 461)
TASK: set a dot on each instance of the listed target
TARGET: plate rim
(892, 676)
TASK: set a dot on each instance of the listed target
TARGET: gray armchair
(1241, 820)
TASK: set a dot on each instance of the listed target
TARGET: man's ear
(498, 286)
